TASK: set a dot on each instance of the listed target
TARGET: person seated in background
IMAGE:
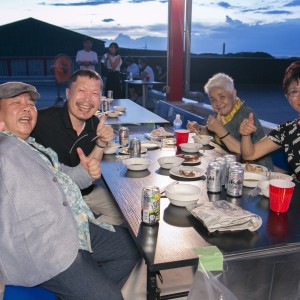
(146, 74)
(230, 112)
(49, 236)
(161, 73)
(132, 67)
(86, 58)
(285, 135)
(74, 125)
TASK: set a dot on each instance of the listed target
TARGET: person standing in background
(112, 61)
(86, 58)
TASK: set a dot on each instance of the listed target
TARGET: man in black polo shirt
(74, 125)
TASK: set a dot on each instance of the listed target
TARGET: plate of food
(150, 144)
(254, 168)
(187, 172)
(124, 150)
(159, 133)
(189, 159)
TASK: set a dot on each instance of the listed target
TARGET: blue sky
(271, 26)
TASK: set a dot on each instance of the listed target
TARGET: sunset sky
(255, 25)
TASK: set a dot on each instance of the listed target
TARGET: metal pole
(187, 59)
(175, 50)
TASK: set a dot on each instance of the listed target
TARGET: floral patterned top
(287, 135)
(79, 208)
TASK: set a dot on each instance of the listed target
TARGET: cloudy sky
(271, 26)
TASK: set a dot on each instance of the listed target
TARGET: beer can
(123, 136)
(222, 162)
(235, 181)
(105, 105)
(150, 205)
(134, 148)
(110, 94)
(229, 158)
(213, 177)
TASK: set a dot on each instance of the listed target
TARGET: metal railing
(28, 66)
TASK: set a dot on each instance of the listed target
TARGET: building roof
(32, 37)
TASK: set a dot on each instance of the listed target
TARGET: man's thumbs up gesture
(92, 165)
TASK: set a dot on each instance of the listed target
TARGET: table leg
(126, 90)
(144, 95)
(153, 292)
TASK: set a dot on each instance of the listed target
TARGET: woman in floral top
(286, 135)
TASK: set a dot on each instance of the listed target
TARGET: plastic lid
(177, 116)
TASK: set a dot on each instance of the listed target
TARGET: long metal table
(134, 114)
(170, 243)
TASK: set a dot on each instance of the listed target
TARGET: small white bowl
(113, 114)
(183, 194)
(111, 148)
(120, 108)
(168, 162)
(264, 187)
(203, 139)
(190, 147)
(137, 163)
(277, 175)
(251, 179)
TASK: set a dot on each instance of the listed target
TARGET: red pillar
(175, 50)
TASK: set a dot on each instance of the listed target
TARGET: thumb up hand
(90, 164)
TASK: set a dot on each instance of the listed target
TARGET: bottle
(177, 123)
(131, 76)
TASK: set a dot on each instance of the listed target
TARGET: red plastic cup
(278, 225)
(182, 136)
(281, 192)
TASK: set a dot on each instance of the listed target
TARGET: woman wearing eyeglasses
(286, 135)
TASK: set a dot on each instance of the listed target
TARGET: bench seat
(168, 111)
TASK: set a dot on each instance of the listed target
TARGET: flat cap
(13, 89)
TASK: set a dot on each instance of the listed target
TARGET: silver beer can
(123, 136)
(222, 162)
(110, 94)
(150, 205)
(134, 148)
(213, 177)
(235, 181)
(229, 158)
(105, 105)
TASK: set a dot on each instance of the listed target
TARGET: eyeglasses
(294, 93)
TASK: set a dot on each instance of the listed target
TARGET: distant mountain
(278, 39)
(145, 42)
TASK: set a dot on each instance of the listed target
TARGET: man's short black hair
(87, 38)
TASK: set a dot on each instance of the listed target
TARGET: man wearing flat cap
(48, 235)
(12, 89)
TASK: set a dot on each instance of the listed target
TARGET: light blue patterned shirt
(79, 208)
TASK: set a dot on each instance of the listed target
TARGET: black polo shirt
(54, 129)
